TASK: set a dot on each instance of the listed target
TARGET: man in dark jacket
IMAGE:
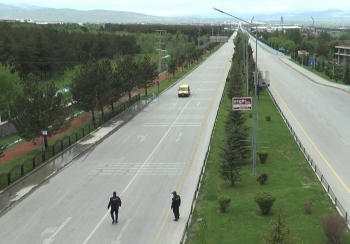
(114, 203)
(175, 205)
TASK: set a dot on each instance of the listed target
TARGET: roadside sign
(242, 103)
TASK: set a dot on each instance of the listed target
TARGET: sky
(190, 7)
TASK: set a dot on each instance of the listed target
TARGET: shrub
(333, 226)
(262, 178)
(263, 156)
(268, 118)
(308, 205)
(224, 202)
(265, 201)
(250, 115)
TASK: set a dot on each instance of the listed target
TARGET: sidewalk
(313, 77)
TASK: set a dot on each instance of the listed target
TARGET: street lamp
(255, 102)
(313, 23)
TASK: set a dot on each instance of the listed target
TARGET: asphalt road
(160, 150)
(319, 113)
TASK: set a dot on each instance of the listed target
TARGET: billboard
(242, 103)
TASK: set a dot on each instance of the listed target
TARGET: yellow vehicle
(184, 91)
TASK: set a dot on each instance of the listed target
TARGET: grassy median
(290, 178)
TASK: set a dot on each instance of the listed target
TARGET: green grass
(321, 74)
(290, 178)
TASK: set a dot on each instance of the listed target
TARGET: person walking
(114, 203)
(175, 205)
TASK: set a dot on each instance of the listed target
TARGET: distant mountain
(43, 14)
(39, 14)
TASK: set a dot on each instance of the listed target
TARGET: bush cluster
(265, 201)
(224, 202)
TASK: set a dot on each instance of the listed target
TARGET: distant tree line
(45, 50)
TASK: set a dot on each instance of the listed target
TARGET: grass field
(290, 178)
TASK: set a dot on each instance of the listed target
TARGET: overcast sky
(190, 7)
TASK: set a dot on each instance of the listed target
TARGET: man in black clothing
(114, 203)
(175, 205)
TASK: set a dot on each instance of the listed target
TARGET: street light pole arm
(219, 10)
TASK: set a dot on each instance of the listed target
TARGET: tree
(172, 66)
(83, 88)
(279, 232)
(2, 149)
(103, 77)
(148, 70)
(126, 70)
(9, 83)
(39, 108)
(232, 158)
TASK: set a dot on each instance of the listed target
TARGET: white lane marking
(344, 141)
(178, 137)
(48, 230)
(198, 104)
(50, 239)
(140, 169)
(118, 241)
(143, 137)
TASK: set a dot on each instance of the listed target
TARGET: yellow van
(184, 90)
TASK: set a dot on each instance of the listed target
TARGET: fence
(314, 167)
(29, 164)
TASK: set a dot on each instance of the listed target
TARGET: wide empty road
(160, 150)
(318, 113)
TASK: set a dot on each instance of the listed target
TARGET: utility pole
(282, 22)
(160, 50)
(198, 34)
(246, 66)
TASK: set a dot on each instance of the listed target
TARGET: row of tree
(95, 85)
(44, 50)
(235, 152)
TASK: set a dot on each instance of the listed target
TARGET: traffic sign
(242, 103)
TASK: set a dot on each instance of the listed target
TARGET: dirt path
(16, 150)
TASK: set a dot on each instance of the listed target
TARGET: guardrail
(314, 167)
(33, 163)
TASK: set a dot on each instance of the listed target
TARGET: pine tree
(279, 232)
(233, 155)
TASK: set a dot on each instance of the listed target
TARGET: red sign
(242, 103)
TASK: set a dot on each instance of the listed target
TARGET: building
(342, 53)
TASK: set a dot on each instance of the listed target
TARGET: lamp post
(313, 23)
(255, 101)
